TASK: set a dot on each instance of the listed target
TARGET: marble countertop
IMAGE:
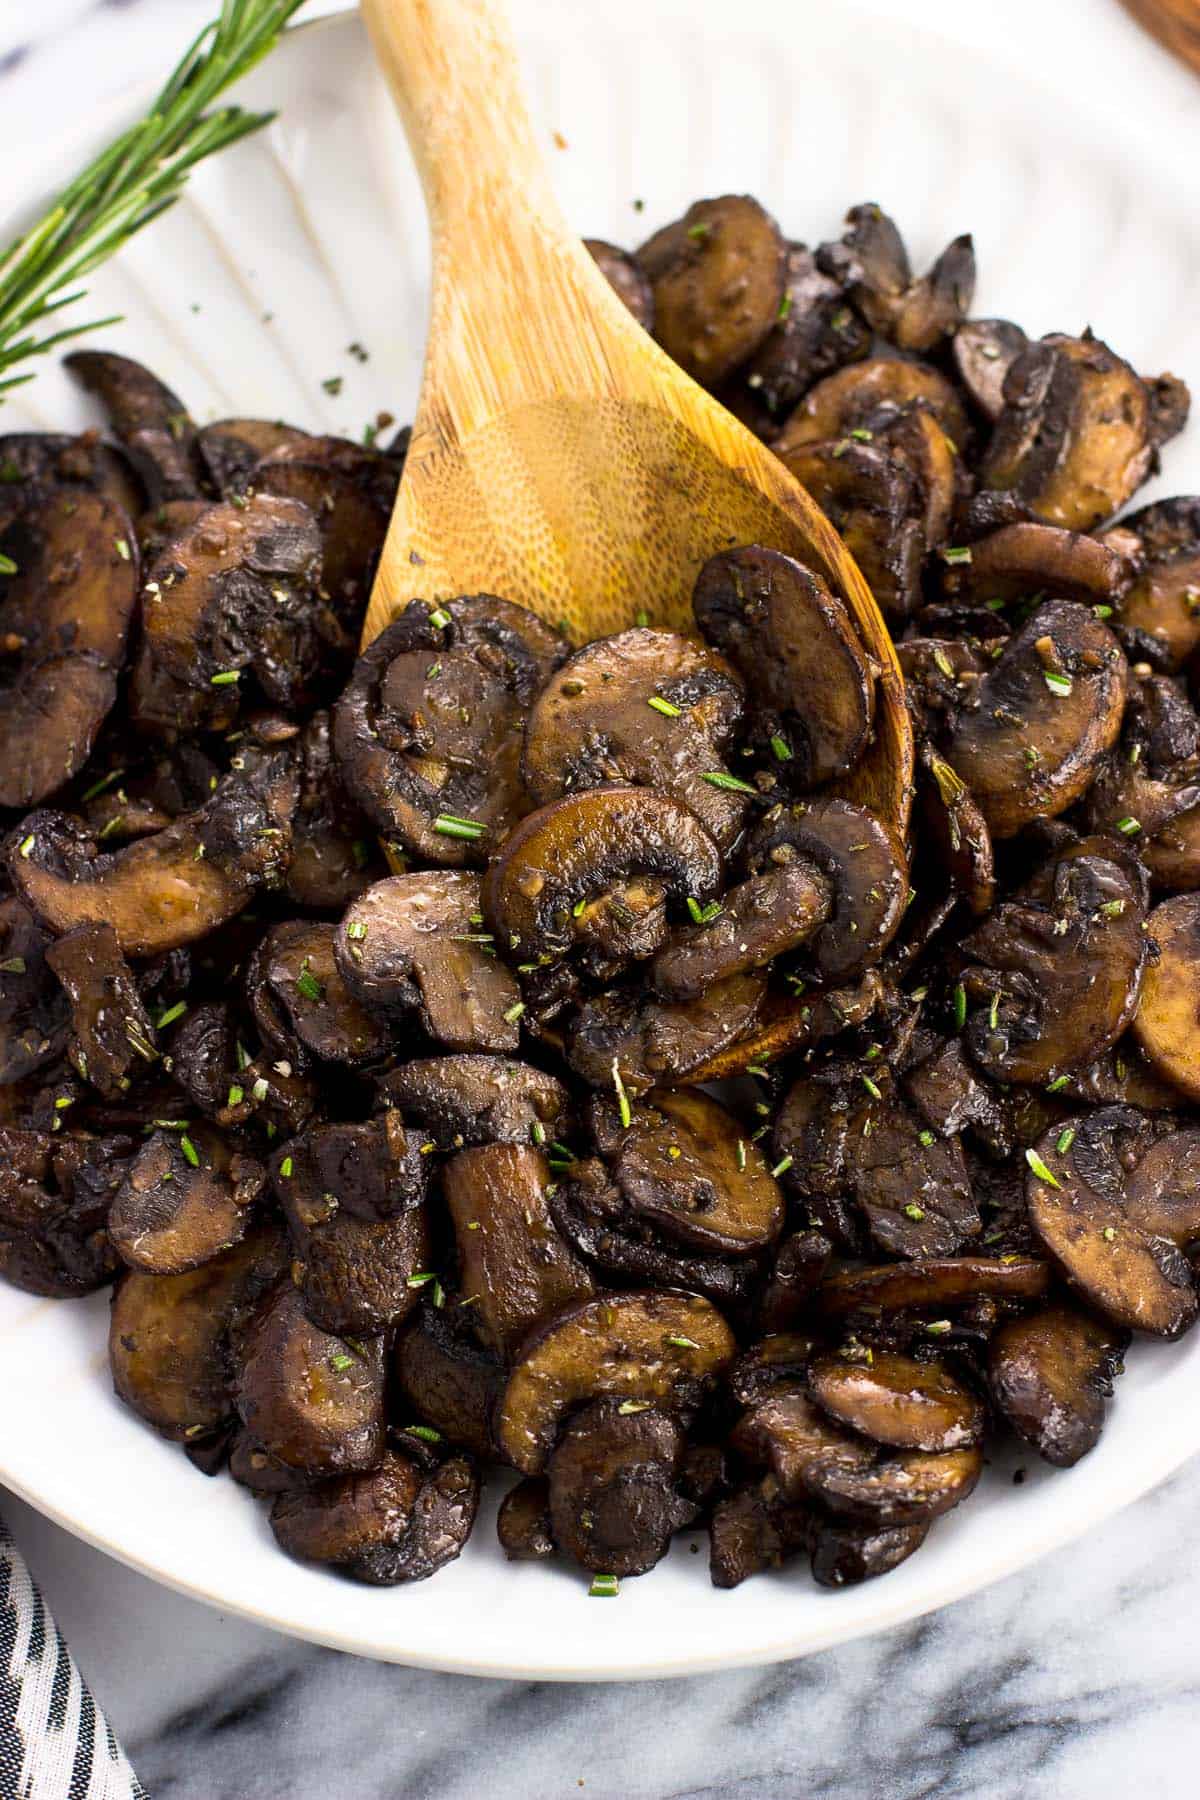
(1079, 1677)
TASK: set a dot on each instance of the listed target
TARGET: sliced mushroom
(1149, 786)
(150, 421)
(168, 1341)
(795, 1275)
(945, 1282)
(1118, 1237)
(718, 279)
(1022, 560)
(515, 1268)
(1159, 612)
(349, 491)
(454, 1384)
(612, 1478)
(1168, 1014)
(791, 640)
(643, 708)
(915, 1195)
(658, 1041)
(1059, 976)
(626, 277)
(185, 1199)
(36, 465)
(230, 449)
(984, 350)
(865, 396)
(912, 1488)
(523, 1522)
(64, 619)
(417, 942)
(896, 1401)
(872, 501)
(54, 1199)
(301, 1003)
(773, 1365)
(845, 1554)
(683, 1166)
(1073, 441)
(1049, 1375)
(580, 848)
(755, 1529)
(352, 1197)
(111, 1031)
(1030, 737)
(463, 1100)
(873, 263)
(790, 1436)
(310, 1398)
(866, 869)
(957, 830)
(757, 921)
(236, 595)
(397, 1523)
(174, 887)
(814, 333)
(428, 732)
(332, 852)
(34, 1011)
(664, 1348)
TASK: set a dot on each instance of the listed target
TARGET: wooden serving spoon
(559, 458)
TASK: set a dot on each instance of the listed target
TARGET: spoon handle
(452, 68)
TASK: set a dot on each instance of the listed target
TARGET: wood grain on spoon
(559, 458)
(1175, 23)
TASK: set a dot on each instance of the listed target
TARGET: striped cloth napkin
(55, 1743)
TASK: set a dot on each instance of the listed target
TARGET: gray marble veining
(1076, 1680)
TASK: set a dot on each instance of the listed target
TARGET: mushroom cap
(717, 275)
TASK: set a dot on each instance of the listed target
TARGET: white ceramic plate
(312, 238)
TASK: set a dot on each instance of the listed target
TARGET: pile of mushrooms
(489, 1052)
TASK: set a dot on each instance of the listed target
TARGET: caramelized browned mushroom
(1058, 975)
(872, 500)
(1158, 614)
(174, 887)
(34, 465)
(718, 279)
(865, 866)
(1049, 1375)
(523, 1522)
(957, 830)
(1149, 786)
(663, 1348)
(755, 1529)
(912, 1488)
(169, 1335)
(845, 1554)
(150, 421)
(417, 942)
(515, 1268)
(872, 262)
(682, 1165)
(612, 1477)
(896, 1401)
(54, 1199)
(865, 397)
(1115, 1232)
(643, 708)
(34, 1011)
(332, 853)
(66, 601)
(811, 683)
(1168, 1016)
(1073, 440)
(626, 277)
(186, 1198)
(1030, 737)
(786, 1433)
(352, 1197)
(579, 849)
(111, 1030)
(756, 921)
(400, 1522)
(302, 1005)
(310, 1398)
(349, 490)
(944, 1283)
(428, 732)
(984, 351)
(652, 1041)
(815, 333)
(462, 1100)
(454, 1384)
(230, 448)
(1025, 559)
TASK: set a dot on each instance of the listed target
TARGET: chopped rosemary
(1040, 1170)
(626, 1111)
(189, 1151)
(719, 779)
(666, 707)
(450, 825)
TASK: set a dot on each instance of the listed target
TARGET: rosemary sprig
(132, 181)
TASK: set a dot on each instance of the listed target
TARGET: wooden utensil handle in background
(1175, 23)
(452, 66)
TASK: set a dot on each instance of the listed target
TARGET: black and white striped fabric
(55, 1743)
